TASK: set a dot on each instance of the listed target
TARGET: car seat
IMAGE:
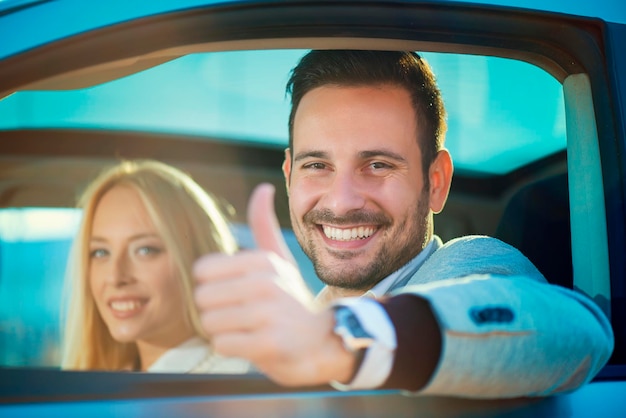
(537, 222)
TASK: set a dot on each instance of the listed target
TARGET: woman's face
(132, 276)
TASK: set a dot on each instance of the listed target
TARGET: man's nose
(344, 193)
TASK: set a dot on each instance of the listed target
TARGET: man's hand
(255, 305)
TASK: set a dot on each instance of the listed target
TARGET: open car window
(498, 131)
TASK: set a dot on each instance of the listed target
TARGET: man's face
(357, 199)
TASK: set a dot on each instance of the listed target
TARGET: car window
(496, 124)
(34, 244)
(496, 128)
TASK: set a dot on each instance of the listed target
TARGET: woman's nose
(121, 270)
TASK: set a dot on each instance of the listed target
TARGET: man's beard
(405, 241)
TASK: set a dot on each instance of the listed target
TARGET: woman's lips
(123, 308)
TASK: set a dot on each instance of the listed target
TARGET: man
(365, 171)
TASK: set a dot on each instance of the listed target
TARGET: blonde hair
(190, 223)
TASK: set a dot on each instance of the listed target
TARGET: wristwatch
(347, 326)
(354, 337)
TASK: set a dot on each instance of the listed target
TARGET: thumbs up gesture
(255, 305)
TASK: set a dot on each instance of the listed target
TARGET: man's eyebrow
(363, 155)
(310, 154)
(381, 153)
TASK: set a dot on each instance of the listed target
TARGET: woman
(131, 306)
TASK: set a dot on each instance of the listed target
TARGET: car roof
(72, 17)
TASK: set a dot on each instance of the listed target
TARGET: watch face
(349, 328)
(355, 327)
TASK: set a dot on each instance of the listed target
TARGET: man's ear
(440, 176)
(287, 168)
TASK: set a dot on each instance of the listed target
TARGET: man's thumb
(264, 224)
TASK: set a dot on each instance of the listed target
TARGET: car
(537, 129)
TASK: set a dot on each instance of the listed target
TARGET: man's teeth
(348, 234)
(126, 305)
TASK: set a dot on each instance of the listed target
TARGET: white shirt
(378, 360)
(196, 356)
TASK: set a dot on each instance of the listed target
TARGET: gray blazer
(506, 331)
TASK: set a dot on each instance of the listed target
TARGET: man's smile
(349, 234)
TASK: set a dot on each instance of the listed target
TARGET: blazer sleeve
(504, 331)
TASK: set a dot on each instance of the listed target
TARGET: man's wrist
(355, 339)
(341, 364)
(377, 359)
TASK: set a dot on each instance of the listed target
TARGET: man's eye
(378, 165)
(98, 253)
(315, 166)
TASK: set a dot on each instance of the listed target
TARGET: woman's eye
(149, 250)
(98, 253)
